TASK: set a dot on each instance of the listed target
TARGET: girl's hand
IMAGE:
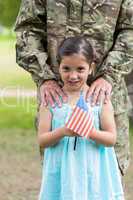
(68, 132)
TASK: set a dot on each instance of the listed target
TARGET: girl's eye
(66, 69)
(81, 69)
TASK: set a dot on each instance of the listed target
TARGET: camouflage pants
(122, 144)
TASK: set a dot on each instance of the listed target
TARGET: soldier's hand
(52, 93)
(100, 90)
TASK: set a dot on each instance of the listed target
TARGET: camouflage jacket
(41, 25)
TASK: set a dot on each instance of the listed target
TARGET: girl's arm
(46, 137)
(107, 134)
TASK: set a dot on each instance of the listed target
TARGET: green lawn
(7, 37)
(17, 113)
(11, 74)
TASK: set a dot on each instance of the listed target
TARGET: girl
(89, 172)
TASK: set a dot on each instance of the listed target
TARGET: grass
(14, 76)
(17, 113)
(20, 166)
(8, 36)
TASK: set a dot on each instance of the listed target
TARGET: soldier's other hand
(52, 93)
(100, 90)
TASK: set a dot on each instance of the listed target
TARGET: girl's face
(74, 71)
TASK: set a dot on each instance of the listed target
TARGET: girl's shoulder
(96, 107)
(102, 108)
(60, 111)
(107, 107)
(45, 110)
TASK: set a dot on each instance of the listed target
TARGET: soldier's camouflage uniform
(41, 25)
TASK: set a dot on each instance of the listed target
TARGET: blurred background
(20, 167)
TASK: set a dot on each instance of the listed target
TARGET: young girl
(89, 172)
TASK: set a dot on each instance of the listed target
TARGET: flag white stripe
(77, 118)
(81, 127)
(88, 131)
(79, 115)
(88, 128)
(87, 122)
(71, 117)
(79, 123)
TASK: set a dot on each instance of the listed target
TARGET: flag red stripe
(87, 131)
(83, 123)
(79, 125)
(91, 132)
(83, 126)
(73, 113)
(74, 118)
(78, 120)
(86, 123)
(88, 128)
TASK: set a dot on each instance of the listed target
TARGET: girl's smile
(74, 84)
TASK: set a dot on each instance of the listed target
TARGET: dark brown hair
(76, 45)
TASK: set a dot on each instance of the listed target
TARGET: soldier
(40, 27)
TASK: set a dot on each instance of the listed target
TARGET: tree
(8, 11)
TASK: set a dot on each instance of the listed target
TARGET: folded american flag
(81, 119)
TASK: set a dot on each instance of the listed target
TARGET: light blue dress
(88, 173)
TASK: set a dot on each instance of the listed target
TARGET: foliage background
(8, 12)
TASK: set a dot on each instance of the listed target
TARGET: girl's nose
(73, 75)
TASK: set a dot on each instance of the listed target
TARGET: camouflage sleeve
(119, 61)
(31, 50)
